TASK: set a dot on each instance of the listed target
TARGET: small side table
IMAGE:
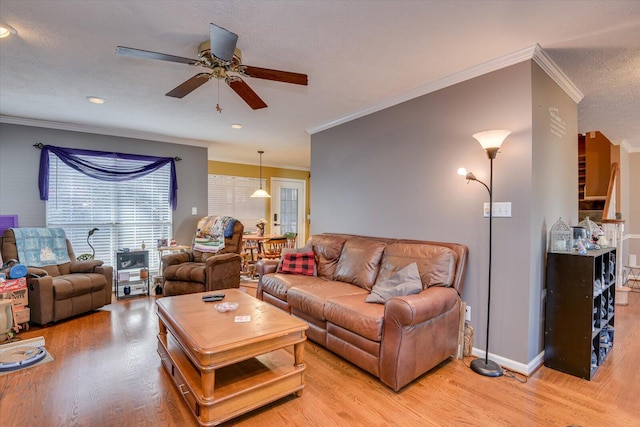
(631, 270)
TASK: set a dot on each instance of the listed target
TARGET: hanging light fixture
(260, 192)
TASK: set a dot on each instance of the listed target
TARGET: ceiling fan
(220, 55)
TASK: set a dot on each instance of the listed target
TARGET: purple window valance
(121, 171)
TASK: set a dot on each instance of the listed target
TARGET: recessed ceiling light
(6, 30)
(236, 125)
(95, 99)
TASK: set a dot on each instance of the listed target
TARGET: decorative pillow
(403, 282)
(298, 263)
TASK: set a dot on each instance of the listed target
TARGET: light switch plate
(194, 210)
(500, 210)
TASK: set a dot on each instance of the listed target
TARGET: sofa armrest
(36, 272)
(177, 258)
(419, 331)
(223, 271)
(41, 299)
(85, 266)
(417, 308)
(265, 266)
(107, 272)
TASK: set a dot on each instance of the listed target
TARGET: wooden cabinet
(132, 274)
(580, 311)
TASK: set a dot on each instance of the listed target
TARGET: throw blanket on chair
(38, 247)
(211, 232)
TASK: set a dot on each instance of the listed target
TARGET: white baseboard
(521, 368)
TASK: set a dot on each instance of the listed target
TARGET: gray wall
(393, 174)
(19, 162)
(554, 183)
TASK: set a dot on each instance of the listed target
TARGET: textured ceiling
(357, 54)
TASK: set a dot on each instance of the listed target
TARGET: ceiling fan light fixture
(7, 30)
(260, 192)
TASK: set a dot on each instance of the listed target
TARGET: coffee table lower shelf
(239, 388)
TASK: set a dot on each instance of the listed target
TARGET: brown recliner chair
(63, 290)
(196, 271)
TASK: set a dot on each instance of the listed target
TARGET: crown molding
(624, 144)
(123, 133)
(541, 58)
(534, 53)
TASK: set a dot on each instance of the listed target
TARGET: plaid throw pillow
(298, 263)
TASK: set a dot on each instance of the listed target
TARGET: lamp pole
(490, 141)
(487, 367)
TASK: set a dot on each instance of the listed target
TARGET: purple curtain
(120, 172)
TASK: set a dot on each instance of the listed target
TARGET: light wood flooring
(106, 372)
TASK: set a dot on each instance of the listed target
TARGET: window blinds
(126, 213)
(231, 196)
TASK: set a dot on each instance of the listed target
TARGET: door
(288, 201)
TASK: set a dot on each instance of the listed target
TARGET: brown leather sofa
(64, 290)
(397, 341)
(195, 271)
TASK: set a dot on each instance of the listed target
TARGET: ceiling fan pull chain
(218, 107)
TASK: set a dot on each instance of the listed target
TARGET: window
(126, 213)
(231, 196)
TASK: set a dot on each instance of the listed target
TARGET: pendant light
(260, 192)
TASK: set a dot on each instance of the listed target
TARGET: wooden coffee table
(223, 367)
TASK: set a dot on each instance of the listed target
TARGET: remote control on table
(212, 298)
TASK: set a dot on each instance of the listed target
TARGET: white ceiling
(357, 54)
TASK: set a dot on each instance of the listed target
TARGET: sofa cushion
(359, 262)
(351, 312)
(405, 281)
(327, 249)
(436, 264)
(186, 272)
(311, 296)
(73, 285)
(278, 284)
(298, 263)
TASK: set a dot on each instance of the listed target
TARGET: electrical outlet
(467, 313)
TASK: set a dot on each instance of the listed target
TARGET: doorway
(288, 201)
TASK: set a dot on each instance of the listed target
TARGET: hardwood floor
(106, 372)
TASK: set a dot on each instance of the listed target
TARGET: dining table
(254, 241)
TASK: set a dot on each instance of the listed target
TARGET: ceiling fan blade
(189, 86)
(276, 75)
(246, 93)
(139, 53)
(223, 42)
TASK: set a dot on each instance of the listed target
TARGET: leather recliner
(195, 271)
(63, 290)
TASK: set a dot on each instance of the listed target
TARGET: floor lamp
(491, 141)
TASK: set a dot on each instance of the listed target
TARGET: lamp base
(488, 368)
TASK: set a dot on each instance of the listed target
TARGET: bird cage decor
(594, 229)
(561, 237)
